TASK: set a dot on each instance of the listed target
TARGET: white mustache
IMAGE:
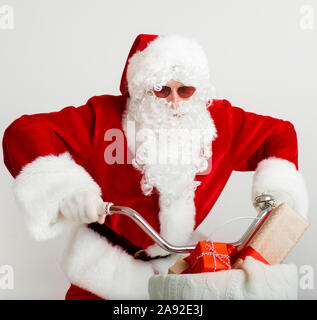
(156, 115)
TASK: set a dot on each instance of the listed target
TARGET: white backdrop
(262, 57)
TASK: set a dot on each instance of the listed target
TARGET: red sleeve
(255, 137)
(30, 136)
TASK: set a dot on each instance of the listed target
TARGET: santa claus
(63, 176)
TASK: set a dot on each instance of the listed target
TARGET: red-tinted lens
(186, 92)
(163, 93)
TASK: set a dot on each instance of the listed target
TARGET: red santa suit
(51, 155)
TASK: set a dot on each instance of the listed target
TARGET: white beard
(171, 146)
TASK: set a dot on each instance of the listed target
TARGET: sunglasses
(184, 92)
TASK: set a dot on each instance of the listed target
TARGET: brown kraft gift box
(278, 235)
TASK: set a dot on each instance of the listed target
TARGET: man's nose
(175, 99)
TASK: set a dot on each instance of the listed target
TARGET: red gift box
(208, 257)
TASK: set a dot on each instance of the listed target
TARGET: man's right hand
(83, 206)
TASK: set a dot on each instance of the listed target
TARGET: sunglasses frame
(164, 96)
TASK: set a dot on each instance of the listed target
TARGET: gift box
(179, 266)
(275, 238)
(270, 244)
(208, 257)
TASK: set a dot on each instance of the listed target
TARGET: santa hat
(154, 60)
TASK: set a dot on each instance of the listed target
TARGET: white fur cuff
(40, 187)
(94, 264)
(279, 178)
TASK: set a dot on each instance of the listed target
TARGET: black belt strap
(128, 246)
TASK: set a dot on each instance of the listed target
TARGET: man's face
(175, 92)
(173, 135)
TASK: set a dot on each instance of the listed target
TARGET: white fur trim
(40, 187)
(170, 57)
(94, 264)
(177, 221)
(279, 178)
(161, 266)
